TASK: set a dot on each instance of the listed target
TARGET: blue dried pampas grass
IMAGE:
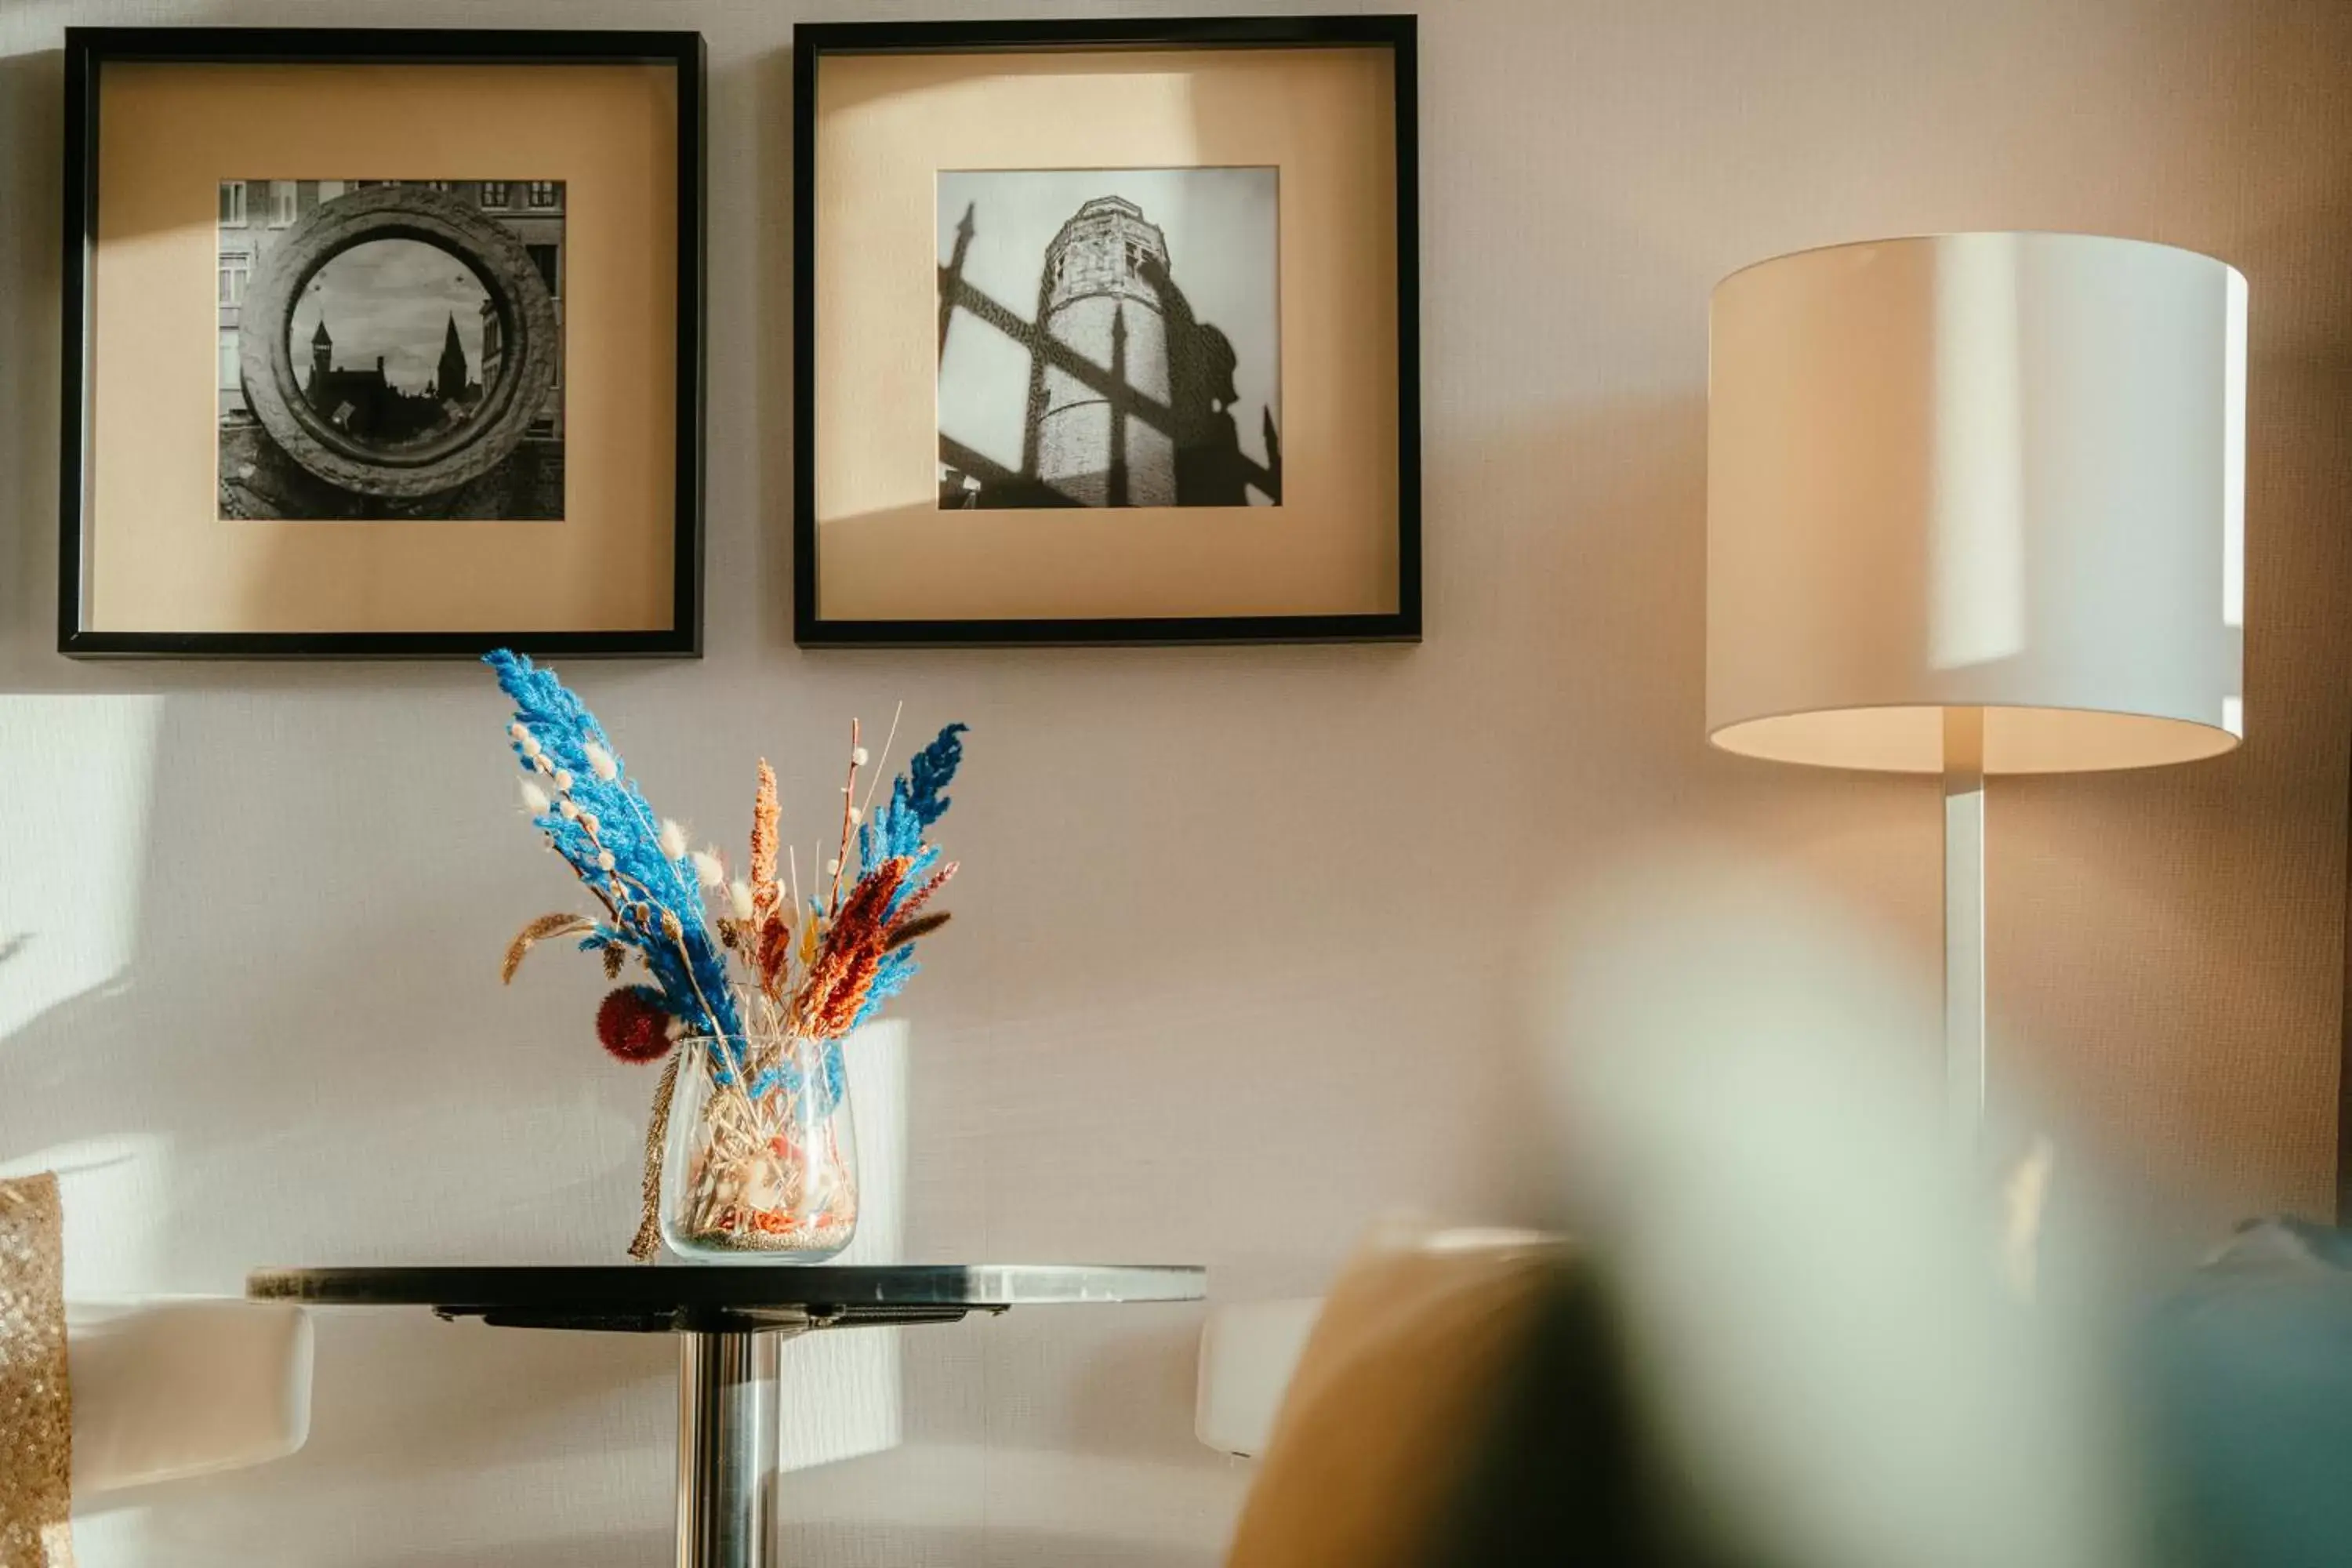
(597, 819)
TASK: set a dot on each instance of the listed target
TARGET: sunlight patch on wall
(842, 1391)
(75, 776)
(117, 1195)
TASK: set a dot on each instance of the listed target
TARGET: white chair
(1248, 1352)
(183, 1386)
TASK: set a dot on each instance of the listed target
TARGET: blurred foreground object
(1789, 1332)
(1397, 1381)
(2254, 1384)
(1976, 504)
(1796, 1292)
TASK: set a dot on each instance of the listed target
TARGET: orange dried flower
(837, 982)
(765, 894)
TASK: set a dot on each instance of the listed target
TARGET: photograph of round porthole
(392, 349)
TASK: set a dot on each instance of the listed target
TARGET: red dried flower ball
(633, 1028)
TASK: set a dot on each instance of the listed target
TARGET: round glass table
(731, 1324)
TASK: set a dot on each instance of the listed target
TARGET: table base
(726, 1446)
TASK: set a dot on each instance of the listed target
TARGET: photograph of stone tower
(1109, 338)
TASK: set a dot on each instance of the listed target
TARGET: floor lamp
(1975, 505)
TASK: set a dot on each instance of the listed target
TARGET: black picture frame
(812, 43)
(88, 50)
(2343, 1075)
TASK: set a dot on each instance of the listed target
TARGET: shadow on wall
(219, 1104)
(212, 930)
(598, 1549)
(801, 1543)
(939, 1543)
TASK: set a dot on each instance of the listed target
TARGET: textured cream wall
(1242, 928)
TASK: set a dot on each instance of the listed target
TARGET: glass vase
(759, 1163)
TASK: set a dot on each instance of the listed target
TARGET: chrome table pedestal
(731, 1325)
(726, 1446)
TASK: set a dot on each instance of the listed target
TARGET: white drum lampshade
(1976, 504)
(1996, 472)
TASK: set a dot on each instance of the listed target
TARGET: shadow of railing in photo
(1210, 469)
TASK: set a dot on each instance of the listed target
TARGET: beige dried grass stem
(562, 923)
(882, 761)
(848, 806)
(646, 1243)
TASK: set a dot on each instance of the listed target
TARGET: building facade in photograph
(253, 214)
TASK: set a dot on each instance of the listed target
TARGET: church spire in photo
(453, 377)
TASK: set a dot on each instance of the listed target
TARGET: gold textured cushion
(1391, 1394)
(36, 1402)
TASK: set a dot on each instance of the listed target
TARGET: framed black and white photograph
(1152, 384)
(382, 343)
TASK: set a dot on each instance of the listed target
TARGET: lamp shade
(1995, 471)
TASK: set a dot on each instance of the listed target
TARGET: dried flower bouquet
(749, 984)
